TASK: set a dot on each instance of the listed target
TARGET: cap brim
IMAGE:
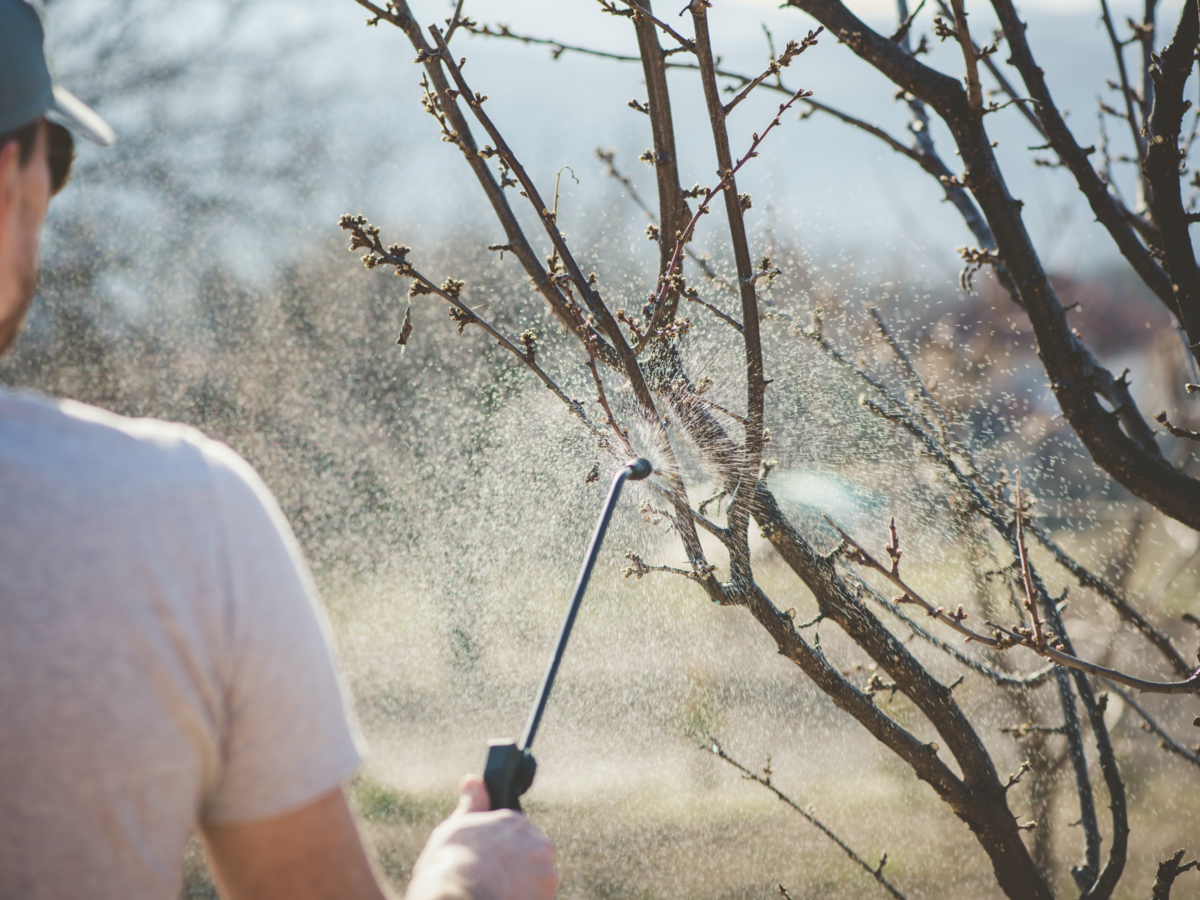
(81, 118)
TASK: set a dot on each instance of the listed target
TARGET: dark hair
(25, 136)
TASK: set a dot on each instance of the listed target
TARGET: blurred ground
(637, 806)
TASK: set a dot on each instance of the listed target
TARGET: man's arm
(314, 853)
(310, 853)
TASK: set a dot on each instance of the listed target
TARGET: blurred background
(195, 272)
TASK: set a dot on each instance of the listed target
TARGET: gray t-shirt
(163, 660)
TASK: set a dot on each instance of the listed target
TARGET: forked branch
(1003, 637)
(1168, 871)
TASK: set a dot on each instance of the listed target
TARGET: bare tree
(697, 441)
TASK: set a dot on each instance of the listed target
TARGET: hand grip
(508, 773)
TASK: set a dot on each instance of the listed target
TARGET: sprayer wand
(510, 767)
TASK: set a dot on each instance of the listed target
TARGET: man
(163, 663)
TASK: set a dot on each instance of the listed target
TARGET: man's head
(35, 153)
(24, 195)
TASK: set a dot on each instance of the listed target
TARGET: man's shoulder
(66, 439)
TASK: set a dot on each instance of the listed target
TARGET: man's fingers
(472, 796)
(473, 848)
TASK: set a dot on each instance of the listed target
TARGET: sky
(340, 103)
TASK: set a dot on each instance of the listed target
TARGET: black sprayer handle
(508, 773)
(510, 767)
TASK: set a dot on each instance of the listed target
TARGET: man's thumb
(472, 796)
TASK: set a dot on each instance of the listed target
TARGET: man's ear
(10, 172)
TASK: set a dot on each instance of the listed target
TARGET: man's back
(161, 659)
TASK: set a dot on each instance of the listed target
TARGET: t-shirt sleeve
(289, 737)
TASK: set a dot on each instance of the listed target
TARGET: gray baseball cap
(26, 89)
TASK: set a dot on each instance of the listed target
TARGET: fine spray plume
(510, 766)
(444, 485)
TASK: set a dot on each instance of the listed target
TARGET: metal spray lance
(510, 767)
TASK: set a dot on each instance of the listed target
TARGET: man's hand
(480, 855)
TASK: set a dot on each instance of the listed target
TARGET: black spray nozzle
(510, 767)
(639, 468)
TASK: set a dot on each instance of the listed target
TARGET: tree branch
(460, 135)
(557, 47)
(607, 324)
(1167, 742)
(739, 508)
(1030, 680)
(970, 56)
(1035, 639)
(1105, 207)
(1168, 871)
(641, 9)
(366, 236)
(1162, 170)
(875, 872)
(1132, 458)
(1085, 578)
(1115, 599)
(775, 67)
(1178, 432)
(1127, 94)
(996, 73)
(987, 814)
(608, 157)
(672, 204)
(455, 21)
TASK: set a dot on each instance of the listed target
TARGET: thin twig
(1031, 606)
(601, 396)
(1165, 740)
(686, 43)
(693, 297)
(503, 31)
(875, 872)
(558, 47)
(857, 554)
(1003, 82)
(1162, 419)
(455, 21)
(943, 421)
(1126, 92)
(1114, 598)
(1032, 679)
(1011, 637)
(741, 420)
(366, 236)
(995, 107)
(775, 67)
(971, 55)
(906, 25)
(638, 568)
(608, 157)
(713, 191)
(1189, 686)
